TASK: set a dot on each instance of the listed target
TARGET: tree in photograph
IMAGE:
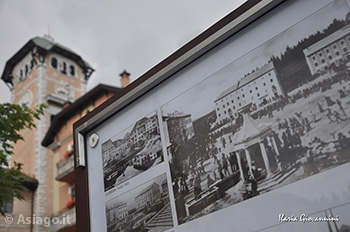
(13, 119)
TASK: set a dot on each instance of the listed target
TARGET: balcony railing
(65, 170)
(64, 221)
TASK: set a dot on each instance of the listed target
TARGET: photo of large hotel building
(331, 50)
(260, 86)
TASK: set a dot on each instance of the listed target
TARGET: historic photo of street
(276, 115)
(144, 208)
(132, 151)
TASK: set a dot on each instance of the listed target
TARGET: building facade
(331, 50)
(147, 197)
(258, 87)
(142, 131)
(43, 72)
(59, 139)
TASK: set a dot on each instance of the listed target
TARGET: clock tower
(43, 71)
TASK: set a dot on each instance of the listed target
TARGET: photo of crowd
(283, 120)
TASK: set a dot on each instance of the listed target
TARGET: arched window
(54, 62)
(64, 68)
(26, 70)
(72, 70)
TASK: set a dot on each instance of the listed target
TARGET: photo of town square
(132, 151)
(278, 114)
(144, 208)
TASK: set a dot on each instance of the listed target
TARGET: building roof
(327, 40)
(74, 108)
(228, 91)
(43, 46)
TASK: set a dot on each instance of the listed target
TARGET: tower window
(72, 70)
(21, 75)
(54, 62)
(64, 68)
(26, 70)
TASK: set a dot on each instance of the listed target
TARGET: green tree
(13, 119)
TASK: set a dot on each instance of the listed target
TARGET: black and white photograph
(132, 151)
(144, 208)
(278, 114)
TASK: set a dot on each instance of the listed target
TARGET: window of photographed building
(269, 74)
(320, 54)
(271, 80)
(345, 49)
(341, 42)
(258, 94)
(242, 95)
(323, 61)
(335, 46)
(237, 98)
(313, 57)
(228, 103)
(330, 57)
(264, 84)
(54, 62)
(327, 50)
(315, 64)
(256, 88)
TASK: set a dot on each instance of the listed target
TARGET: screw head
(93, 140)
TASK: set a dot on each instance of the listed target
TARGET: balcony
(65, 221)
(65, 170)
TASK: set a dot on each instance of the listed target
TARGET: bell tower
(43, 71)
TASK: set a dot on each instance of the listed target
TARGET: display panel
(253, 135)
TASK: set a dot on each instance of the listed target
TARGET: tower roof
(43, 46)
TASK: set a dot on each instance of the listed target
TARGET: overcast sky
(113, 36)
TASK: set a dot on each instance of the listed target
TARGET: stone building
(42, 72)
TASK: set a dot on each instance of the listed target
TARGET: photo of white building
(259, 86)
(330, 50)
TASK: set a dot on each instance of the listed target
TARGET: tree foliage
(13, 119)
